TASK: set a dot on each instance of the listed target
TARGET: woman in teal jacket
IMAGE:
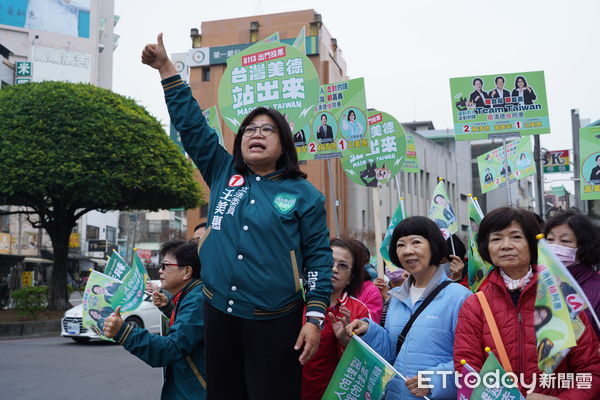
(267, 226)
(418, 246)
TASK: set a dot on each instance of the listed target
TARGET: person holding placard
(267, 225)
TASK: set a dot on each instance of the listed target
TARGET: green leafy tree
(67, 149)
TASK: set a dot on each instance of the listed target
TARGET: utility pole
(539, 177)
(575, 125)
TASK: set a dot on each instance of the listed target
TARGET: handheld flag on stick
(441, 211)
(558, 302)
(494, 382)
(131, 293)
(300, 42)
(477, 267)
(116, 266)
(399, 215)
(466, 373)
(97, 303)
(360, 374)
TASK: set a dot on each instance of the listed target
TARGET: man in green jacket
(181, 352)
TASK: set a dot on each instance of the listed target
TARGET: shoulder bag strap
(494, 330)
(419, 310)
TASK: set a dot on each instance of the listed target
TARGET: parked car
(145, 316)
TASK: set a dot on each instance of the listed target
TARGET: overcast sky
(405, 50)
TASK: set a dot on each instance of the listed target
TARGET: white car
(145, 316)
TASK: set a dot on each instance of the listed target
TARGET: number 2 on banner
(466, 128)
(312, 147)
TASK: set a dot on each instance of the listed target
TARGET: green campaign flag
(339, 122)
(273, 75)
(399, 215)
(131, 293)
(300, 42)
(271, 38)
(558, 302)
(379, 156)
(478, 268)
(492, 386)
(97, 303)
(411, 163)
(589, 162)
(212, 117)
(502, 103)
(492, 171)
(361, 373)
(441, 211)
(116, 266)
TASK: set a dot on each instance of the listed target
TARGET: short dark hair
(499, 219)
(597, 157)
(200, 225)
(357, 274)
(351, 112)
(477, 79)
(439, 196)
(324, 115)
(421, 226)
(185, 253)
(499, 77)
(94, 288)
(288, 161)
(517, 79)
(586, 233)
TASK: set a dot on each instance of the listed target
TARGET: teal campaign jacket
(181, 352)
(265, 232)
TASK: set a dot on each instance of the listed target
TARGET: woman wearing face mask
(576, 242)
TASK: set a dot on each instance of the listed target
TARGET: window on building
(92, 232)
(154, 226)
(111, 234)
(205, 74)
(5, 223)
(364, 218)
(463, 197)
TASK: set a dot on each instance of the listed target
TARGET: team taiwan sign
(501, 103)
(382, 158)
(273, 75)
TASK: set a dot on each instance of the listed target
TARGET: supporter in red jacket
(506, 239)
(347, 280)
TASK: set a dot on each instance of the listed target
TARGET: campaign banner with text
(589, 162)
(501, 103)
(492, 171)
(339, 123)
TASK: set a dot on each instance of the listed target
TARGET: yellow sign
(27, 278)
(75, 240)
(4, 243)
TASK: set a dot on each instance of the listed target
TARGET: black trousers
(252, 359)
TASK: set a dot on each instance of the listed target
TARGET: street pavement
(58, 368)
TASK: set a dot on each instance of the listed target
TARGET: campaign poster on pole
(500, 103)
(589, 160)
(492, 173)
(556, 161)
(339, 123)
(273, 75)
(411, 163)
(384, 155)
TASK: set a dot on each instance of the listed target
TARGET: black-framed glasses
(164, 265)
(265, 130)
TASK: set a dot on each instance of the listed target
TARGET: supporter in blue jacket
(181, 352)
(417, 245)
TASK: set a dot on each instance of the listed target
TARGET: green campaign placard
(212, 117)
(339, 122)
(492, 173)
(273, 75)
(411, 163)
(383, 156)
(589, 162)
(501, 103)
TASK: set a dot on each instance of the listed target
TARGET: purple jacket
(589, 280)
